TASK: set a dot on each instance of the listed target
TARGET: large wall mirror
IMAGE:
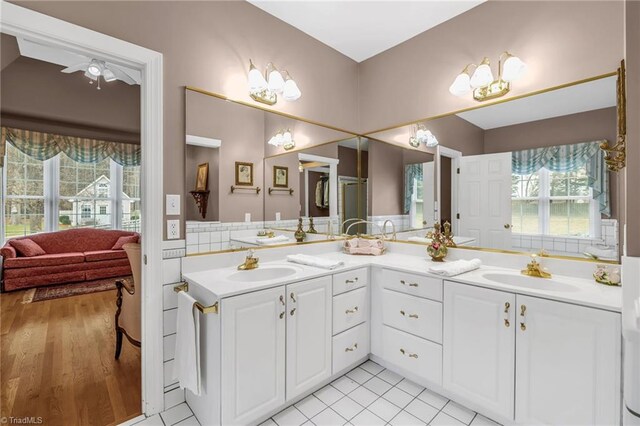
(251, 174)
(525, 175)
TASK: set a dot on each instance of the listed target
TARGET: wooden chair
(128, 301)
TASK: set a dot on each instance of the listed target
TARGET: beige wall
(386, 179)
(561, 41)
(632, 170)
(288, 205)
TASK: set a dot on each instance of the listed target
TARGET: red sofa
(74, 255)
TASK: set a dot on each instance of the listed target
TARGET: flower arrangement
(441, 238)
(608, 276)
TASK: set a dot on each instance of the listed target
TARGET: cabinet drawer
(414, 315)
(350, 346)
(350, 280)
(417, 285)
(350, 309)
(414, 354)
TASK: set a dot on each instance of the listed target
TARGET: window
(554, 203)
(59, 193)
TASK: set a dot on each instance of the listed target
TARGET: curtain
(43, 146)
(566, 158)
(412, 174)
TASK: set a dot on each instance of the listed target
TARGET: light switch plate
(278, 216)
(173, 205)
(173, 229)
(247, 217)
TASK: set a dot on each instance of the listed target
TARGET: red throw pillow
(124, 240)
(27, 247)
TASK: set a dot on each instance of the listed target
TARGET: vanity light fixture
(482, 82)
(422, 135)
(266, 89)
(283, 138)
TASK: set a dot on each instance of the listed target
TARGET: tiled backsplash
(401, 222)
(570, 246)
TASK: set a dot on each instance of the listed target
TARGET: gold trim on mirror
(616, 155)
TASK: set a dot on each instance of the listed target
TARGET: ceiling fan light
(94, 68)
(108, 75)
(482, 76)
(513, 68)
(461, 85)
(256, 80)
(291, 92)
(90, 76)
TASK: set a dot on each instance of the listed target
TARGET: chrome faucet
(534, 269)
(249, 263)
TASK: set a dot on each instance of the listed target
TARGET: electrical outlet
(247, 217)
(173, 205)
(278, 216)
(173, 229)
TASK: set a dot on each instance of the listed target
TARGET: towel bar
(213, 309)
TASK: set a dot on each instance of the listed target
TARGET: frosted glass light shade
(276, 82)
(461, 85)
(513, 68)
(108, 75)
(431, 140)
(291, 91)
(257, 82)
(482, 76)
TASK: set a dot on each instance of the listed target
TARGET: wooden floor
(57, 361)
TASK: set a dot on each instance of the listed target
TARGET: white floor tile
(405, 419)
(409, 387)
(372, 367)
(433, 399)
(384, 409)
(459, 412)
(308, 423)
(398, 397)
(367, 418)
(421, 410)
(443, 419)
(347, 408)
(328, 418)
(189, 421)
(377, 386)
(363, 396)
(154, 420)
(390, 377)
(480, 420)
(329, 395)
(359, 375)
(345, 384)
(289, 417)
(176, 414)
(268, 422)
(310, 406)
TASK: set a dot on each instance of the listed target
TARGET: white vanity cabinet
(308, 334)
(567, 364)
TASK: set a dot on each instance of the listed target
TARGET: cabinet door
(568, 369)
(478, 346)
(308, 334)
(253, 359)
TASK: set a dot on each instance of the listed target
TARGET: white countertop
(573, 290)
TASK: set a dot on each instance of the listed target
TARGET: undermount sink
(262, 274)
(529, 282)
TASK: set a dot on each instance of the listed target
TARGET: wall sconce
(283, 138)
(482, 82)
(266, 88)
(420, 134)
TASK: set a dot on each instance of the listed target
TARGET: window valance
(566, 158)
(43, 146)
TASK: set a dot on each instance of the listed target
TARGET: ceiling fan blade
(76, 67)
(121, 75)
(91, 76)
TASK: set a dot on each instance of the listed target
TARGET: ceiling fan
(96, 69)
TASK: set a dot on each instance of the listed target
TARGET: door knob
(507, 226)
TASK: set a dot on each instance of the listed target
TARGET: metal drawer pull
(351, 311)
(507, 305)
(523, 309)
(281, 314)
(282, 299)
(410, 355)
(293, 297)
(403, 313)
(352, 348)
(293, 311)
(403, 282)
(355, 280)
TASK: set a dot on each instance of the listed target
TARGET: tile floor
(368, 395)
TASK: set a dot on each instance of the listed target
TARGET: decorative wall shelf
(202, 200)
(255, 189)
(289, 190)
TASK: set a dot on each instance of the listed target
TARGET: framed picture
(244, 173)
(280, 177)
(202, 177)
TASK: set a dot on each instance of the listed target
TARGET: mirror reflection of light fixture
(482, 81)
(283, 138)
(266, 89)
(420, 134)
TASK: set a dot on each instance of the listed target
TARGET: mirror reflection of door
(352, 191)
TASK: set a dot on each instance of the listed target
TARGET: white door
(568, 364)
(308, 334)
(253, 359)
(478, 346)
(485, 199)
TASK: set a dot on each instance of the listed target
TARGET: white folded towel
(420, 240)
(187, 357)
(601, 252)
(456, 267)
(272, 240)
(318, 262)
